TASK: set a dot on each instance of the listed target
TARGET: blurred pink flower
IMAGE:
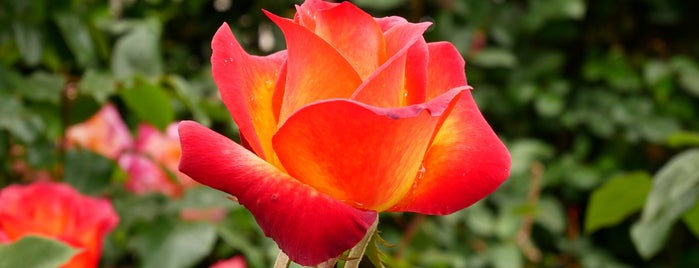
(235, 262)
(146, 176)
(150, 160)
(104, 133)
(57, 210)
(214, 214)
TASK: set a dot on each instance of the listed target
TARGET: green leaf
(505, 255)
(204, 198)
(688, 73)
(137, 53)
(87, 171)
(480, 219)
(379, 5)
(81, 109)
(373, 249)
(675, 190)
(551, 215)
(239, 231)
(617, 199)
(99, 85)
(527, 151)
(35, 252)
(171, 243)
(654, 71)
(549, 104)
(691, 219)
(190, 96)
(77, 37)
(683, 138)
(29, 41)
(541, 12)
(19, 121)
(150, 103)
(495, 57)
(41, 86)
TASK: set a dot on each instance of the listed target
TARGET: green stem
(355, 255)
(282, 260)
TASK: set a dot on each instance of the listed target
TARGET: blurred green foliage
(598, 102)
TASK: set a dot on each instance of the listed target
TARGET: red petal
(315, 70)
(246, 84)
(354, 34)
(364, 155)
(57, 210)
(309, 226)
(445, 70)
(416, 73)
(466, 161)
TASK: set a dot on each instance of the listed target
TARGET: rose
(104, 133)
(234, 262)
(153, 160)
(59, 211)
(359, 115)
(149, 160)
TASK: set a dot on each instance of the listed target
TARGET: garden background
(597, 101)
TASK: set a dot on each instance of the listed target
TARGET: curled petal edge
(309, 226)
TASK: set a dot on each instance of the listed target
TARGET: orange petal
(246, 84)
(104, 133)
(309, 226)
(307, 12)
(364, 155)
(315, 70)
(354, 34)
(401, 79)
(466, 161)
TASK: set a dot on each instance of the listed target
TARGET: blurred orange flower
(57, 210)
(104, 133)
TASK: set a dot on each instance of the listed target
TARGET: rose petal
(387, 23)
(309, 226)
(315, 70)
(386, 87)
(246, 84)
(401, 80)
(354, 34)
(416, 73)
(306, 13)
(235, 262)
(445, 70)
(59, 211)
(146, 176)
(104, 133)
(466, 161)
(364, 155)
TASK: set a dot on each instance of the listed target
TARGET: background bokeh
(598, 102)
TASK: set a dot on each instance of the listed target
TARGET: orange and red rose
(56, 210)
(358, 116)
